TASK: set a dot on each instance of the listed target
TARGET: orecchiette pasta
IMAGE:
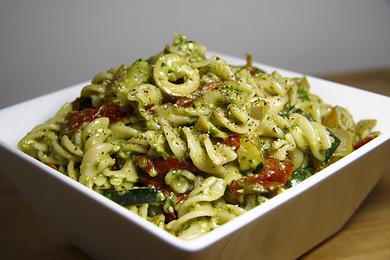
(189, 142)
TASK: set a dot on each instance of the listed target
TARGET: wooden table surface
(25, 235)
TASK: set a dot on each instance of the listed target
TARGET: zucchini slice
(300, 175)
(135, 196)
(329, 152)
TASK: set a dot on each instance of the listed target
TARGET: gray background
(48, 45)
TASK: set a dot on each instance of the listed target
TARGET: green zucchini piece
(294, 109)
(135, 196)
(300, 175)
(332, 149)
(302, 94)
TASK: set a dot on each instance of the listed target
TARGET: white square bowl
(284, 227)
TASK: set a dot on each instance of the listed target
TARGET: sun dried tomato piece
(160, 166)
(170, 216)
(273, 173)
(146, 163)
(112, 111)
(75, 120)
(182, 197)
(364, 141)
(163, 166)
(155, 182)
(233, 140)
(53, 165)
(215, 85)
(184, 102)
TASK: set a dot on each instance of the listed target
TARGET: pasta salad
(190, 142)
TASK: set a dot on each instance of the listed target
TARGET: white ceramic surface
(284, 227)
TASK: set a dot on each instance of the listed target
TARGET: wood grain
(25, 235)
